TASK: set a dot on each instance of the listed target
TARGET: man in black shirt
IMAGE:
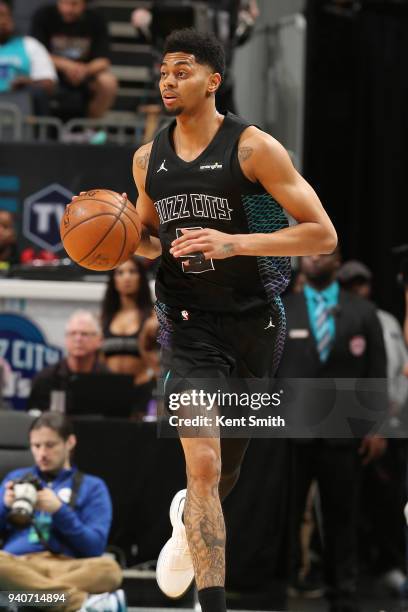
(77, 40)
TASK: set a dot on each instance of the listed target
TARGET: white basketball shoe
(174, 571)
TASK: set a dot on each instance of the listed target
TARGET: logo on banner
(23, 347)
(42, 216)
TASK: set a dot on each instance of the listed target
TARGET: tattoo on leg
(244, 153)
(205, 529)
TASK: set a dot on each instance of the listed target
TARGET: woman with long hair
(126, 306)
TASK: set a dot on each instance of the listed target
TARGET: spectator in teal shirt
(24, 62)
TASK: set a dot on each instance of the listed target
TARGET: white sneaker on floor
(174, 571)
(105, 602)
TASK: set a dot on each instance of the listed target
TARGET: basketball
(99, 230)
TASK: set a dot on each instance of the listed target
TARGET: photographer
(55, 529)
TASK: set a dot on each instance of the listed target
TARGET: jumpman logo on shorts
(162, 167)
(270, 324)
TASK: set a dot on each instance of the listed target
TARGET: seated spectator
(24, 64)
(60, 547)
(77, 39)
(126, 307)
(82, 342)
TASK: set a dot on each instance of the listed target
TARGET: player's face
(81, 337)
(184, 83)
(127, 279)
(6, 22)
(71, 10)
(51, 453)
(320, 268)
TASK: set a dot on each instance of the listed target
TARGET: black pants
(336, 469)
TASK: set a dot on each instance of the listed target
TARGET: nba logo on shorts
(185, 315)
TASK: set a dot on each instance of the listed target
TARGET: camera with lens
(25, 492)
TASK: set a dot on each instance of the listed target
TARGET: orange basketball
(99, 230)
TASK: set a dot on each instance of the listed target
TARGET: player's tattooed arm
(264, 161)
(149, 245)
(244, 153)
(142, 160)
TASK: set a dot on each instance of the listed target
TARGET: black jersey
(212, 191)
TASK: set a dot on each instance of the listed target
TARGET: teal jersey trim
(264, 216)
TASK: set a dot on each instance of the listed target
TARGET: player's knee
(204, 466)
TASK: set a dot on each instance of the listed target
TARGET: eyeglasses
(82, 334)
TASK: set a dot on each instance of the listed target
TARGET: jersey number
(194, 267)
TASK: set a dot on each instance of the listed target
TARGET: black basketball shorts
(210, 348)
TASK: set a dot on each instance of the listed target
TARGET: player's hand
(9, 496)
(372, 447)
(48, 501)
(212, 243)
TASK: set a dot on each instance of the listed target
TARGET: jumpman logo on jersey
(270, 324)
(162, 167)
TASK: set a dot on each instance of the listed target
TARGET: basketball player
(212, 194)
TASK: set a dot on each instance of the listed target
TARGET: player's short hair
(205, 47)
